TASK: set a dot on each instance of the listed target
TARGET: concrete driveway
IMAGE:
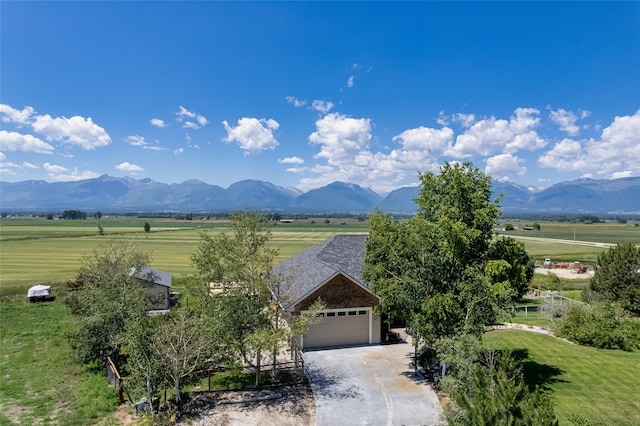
(370, 385)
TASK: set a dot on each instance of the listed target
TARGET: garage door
(340, 327)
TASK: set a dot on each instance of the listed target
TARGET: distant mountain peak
(125, 194)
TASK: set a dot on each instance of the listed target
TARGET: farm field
(37, 251)
(599, 385)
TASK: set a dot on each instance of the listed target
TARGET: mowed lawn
(600, 385)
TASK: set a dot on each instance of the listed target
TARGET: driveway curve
(370, 385)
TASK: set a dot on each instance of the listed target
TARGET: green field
(39, 384)
(614, 233)
(600, 385)
(36, 251)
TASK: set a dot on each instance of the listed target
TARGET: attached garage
(332, 272)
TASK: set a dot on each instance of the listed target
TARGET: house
(331, 271)
(158, 284)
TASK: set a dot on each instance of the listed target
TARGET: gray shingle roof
(302, 274)
(159, 277)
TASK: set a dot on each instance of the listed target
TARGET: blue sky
(306, 93)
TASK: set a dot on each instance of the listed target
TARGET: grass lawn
(599, 385)
(40, 385)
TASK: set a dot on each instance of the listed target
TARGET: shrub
(602, 325)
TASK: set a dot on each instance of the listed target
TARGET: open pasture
(35, 251)
(599, 385)
(613, 233)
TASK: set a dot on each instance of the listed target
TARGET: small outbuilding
(332, 272)
(39, 293)
(158, 284)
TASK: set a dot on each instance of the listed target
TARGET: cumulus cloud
(158, 123)
(76, 130)
(252, 134)
(341, 138)
(129, 167)
(191, 120)
(492, 136)
(298, 103)
(54, 168)
(566, 121)
(350, 82)
(504, 165)
(466, 120)
(566, 155)
(322, 106)
(13, 141)
(615, 153)
(12, 115)
(178, 151)
(291, 160)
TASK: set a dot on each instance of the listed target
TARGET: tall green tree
(432, 269)
(109, 297)
(617, 277)
(232, 281)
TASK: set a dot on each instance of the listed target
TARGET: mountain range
(119, 195)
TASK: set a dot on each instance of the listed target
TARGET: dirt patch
(286, 406)
(568, 273)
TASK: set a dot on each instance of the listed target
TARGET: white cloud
(298, 103)
(566, 120)
(252, 134)
(466, 120)
(622, 174)
(197, 120)
(291, 160)
(54, 168)
(178, 151)
(12, 115)
(342, 139)
(426, 139)
(322, 106)
(492, 136)
(504, 165)
(615, 153)
(2, 156)
(129, 167)
(158, 123)
(28, 165)
(566, 155)
(13, 141)
(76, 130)
(136, 140)
(350, 82)
(75, 175)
